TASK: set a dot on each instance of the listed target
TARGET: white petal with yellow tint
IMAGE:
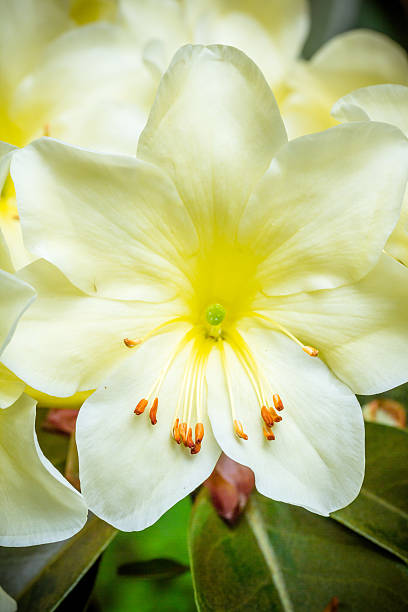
(114, 225)
(16, 297)
(317, 458)
(214, 127)
(88, 67)
(26, 27)
(11, 387)
(346, 62)
(5, 158)
(360, 329)
(69, 341)
(7, 603)
(38, 504)
(270, 33)
(324, 210)
(387, 103)
(132, 471)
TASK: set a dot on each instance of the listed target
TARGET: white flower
(346, 62)
(186, 283)
(387, 103)
(37, 504)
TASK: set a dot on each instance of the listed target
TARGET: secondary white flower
(86, 85)
(346, 62)
(200, 271)
(7, 603)
(37, 504)
(271, 33)
(387, 103)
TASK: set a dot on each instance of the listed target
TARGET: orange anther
(189, 441)
(277, 402)
(153, 411)
(140, 408)
(131, 343)
(196, 448)
(199, 433)
(269, 435)
(183, 432)
(310, 350)
(239, 430)
(267, 416)
(176, 432)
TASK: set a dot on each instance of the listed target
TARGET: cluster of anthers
(192, 396)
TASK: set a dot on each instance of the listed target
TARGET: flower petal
(7, 603)
(85, 70)
(360, 329)
(38, 504)
(69, 341)
(346, 62)
(317, 458)
(270, 33)
(387, 103)
(132, 472)
(5, 158)
(17, 296)
(113, 224)
(322, 213)
(214, 127)
(11, 387)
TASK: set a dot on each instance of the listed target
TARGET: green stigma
(215, 314)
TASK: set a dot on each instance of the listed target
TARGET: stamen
(313, 352)
(196, 449)
(176, 432)
(199, 433)
(183, 432)
(269, 435)
(46, 129)
(190, 441)
(153, 411)
(140, 408)
(277, 402)
(131, 343)
(239, 430)
(267, 416)
(310, 350)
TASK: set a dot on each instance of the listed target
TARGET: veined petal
(97, 64)
(38, 504)
(11, 387)
(214, 127)
(270, 33)
(387, 103)
(317, 458)
(321, 215)
(69, 341)
(133, 483)
(360, 329)
(16, 297)
(113, 224)
(7, 603)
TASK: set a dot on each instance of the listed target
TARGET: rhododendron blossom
(225, 290)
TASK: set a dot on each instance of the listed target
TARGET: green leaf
(39, 577)
(380, 512)
(280, 557)
(155, 569)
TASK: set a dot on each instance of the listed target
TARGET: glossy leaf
(380, 512)
(39, 577)
(154, 569)
(280, 557)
